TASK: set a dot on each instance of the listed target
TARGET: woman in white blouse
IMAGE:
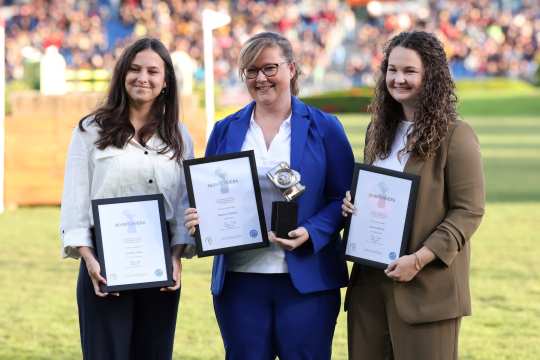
(131, 145)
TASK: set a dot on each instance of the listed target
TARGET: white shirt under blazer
(270, 260)
(92, 173)
(395, 160)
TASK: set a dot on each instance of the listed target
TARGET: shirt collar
(154, 143)
(286, 124)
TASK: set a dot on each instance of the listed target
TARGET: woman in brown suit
(412, 310)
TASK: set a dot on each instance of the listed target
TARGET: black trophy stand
(284, 218)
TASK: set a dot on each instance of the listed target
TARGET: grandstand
(338, 43)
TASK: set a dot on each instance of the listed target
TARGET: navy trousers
(139, 324)
(262, 316)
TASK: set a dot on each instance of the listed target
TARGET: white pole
(208, 79)
(211, 20)
(2, 113)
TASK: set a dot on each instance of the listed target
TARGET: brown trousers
(376, 332)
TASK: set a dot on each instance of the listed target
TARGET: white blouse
(270, 260)
(134, 170)
(395, 161)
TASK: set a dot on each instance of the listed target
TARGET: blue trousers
(139, 324)
(262, 316)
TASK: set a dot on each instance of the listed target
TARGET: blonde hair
(257, 43)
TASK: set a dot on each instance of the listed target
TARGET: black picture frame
(409, 216)
(201, 252)
(96, 204)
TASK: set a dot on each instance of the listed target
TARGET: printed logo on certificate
(132, 242)
(225, 191)
(378, 232)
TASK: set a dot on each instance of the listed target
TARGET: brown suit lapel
(414, 165)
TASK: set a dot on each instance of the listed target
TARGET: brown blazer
(449, 208)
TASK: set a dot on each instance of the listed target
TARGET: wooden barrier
(38, 132)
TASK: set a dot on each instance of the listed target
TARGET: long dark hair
(436, 108)
(113, 116)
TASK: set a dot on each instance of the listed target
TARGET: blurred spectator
(184, 67)
(52, 72)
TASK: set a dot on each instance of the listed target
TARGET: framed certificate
(225, 190)
(132, 242)
(378, 232)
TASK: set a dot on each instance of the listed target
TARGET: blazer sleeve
(75, 206)
(325, 224)
(464, 181)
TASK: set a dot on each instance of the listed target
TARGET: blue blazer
(322, 154)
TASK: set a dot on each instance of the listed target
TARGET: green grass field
(38, 314)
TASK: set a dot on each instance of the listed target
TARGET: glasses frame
(261, 69)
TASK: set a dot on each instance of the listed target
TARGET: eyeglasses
(268, 70)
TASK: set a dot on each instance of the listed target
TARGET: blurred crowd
(91, 33)
(75, 27)
(481, 37)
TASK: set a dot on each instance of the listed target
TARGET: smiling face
(145, 78)
(268, 90)
(404, 76)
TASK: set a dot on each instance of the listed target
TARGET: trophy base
(284, 218)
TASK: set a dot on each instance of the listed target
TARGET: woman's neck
(139, 116)
(408, 112)
(274, 113)
(270, 118)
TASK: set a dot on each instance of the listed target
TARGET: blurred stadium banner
(87, 80)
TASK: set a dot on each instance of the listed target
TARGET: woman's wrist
(417, 263)
(86, 252)
(423, 257)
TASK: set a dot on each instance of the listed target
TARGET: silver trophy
(285, 213)
(286, 180)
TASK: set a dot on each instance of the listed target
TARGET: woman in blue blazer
(283, 300)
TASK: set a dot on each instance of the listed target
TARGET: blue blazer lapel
(238, 129)
(299, 131)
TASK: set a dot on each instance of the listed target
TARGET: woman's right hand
(191, 219)
(347, 207)
(94, 270)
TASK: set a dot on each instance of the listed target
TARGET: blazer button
(150, 181)
(145, 152)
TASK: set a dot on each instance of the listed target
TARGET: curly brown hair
(436, 107)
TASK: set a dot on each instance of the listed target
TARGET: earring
(163, 91)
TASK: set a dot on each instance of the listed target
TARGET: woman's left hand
(403, 269)
(176, 273)
(297, 238)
